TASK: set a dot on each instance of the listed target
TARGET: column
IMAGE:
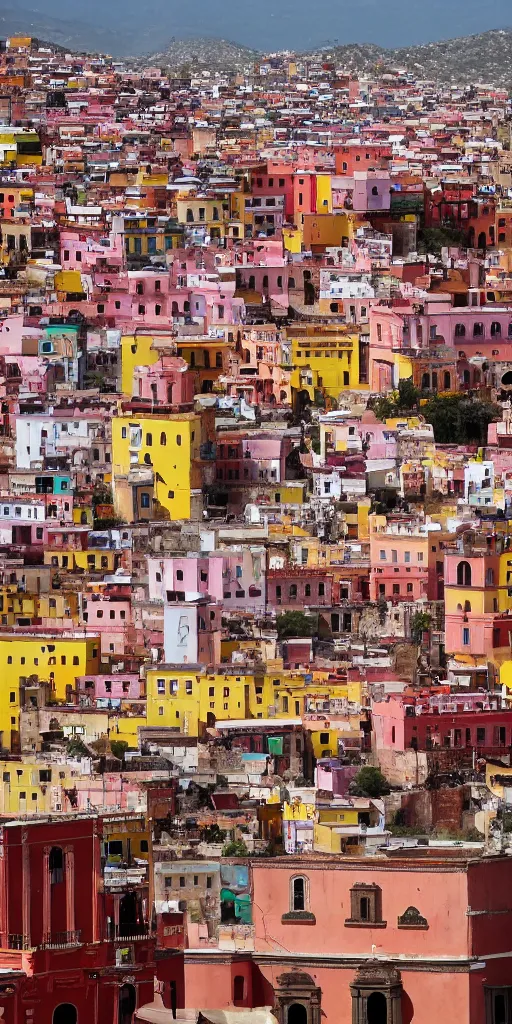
(4, 907)
(96, 877)
(116, 916)
(47, 906)
(25, 865)
(69, 876)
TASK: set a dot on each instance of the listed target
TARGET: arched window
(297, 1014)
(375, 191)
(447, 380)
(495, 329)
(190, 216)
(56, 865)
(467, 606)
(464, 574)
(293, 591)
(425, 381)
(174, 309)
(478, 330)
(460, 331)
(252, 283)
(299, 892)
(291, 282)
(65, 1013)
(264, 283)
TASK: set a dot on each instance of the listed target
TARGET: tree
(213, 834)
(432, 240)
(459, 418)
(77, 748)
(370, 782)
(384, 408)
(236, 848)
(294, 623)
(407, 395)
(405, 399)
(420, 623)
(119, 748)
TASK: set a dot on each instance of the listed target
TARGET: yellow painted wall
(135, 351)
(171, 462)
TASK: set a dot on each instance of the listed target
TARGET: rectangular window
(465, 636)
(498, 1005)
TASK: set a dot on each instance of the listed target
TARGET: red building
(75, 936)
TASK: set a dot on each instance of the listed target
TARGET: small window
(298, 900)
(365, 906)
(238, 990)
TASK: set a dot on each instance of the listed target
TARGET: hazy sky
(273, 24)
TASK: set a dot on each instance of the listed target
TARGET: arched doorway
(126, 1004)
(377, 1009)
(376, 995)
(65, 1014)
(298, 999)
(297, 1014)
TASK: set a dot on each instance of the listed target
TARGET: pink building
(122, 686)
(381, 940)
(167, 382)
(399, 559)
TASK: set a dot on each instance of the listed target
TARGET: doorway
(377, 1009)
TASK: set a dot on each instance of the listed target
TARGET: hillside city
(255, 540)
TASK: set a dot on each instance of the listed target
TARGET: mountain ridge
(484, 56)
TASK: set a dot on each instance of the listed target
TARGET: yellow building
(88, 561)
(53, 659)
(31, 786)
(189, 698)
(197, 213)
(325, 360)
(156, 466)
(136, 350)
(145, 235)
(21, 146)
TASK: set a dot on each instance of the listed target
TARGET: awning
(157, 1013)
(260, 1015)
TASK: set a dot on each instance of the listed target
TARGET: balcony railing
(128, 932)
(118, 878)
(61, 940)
(17, 941)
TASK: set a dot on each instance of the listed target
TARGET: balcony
(128, 932)
(17, 941)
(61, 940)
(115, 879)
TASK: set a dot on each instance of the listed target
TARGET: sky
(276, 24)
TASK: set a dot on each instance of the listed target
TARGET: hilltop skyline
(267, 27)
